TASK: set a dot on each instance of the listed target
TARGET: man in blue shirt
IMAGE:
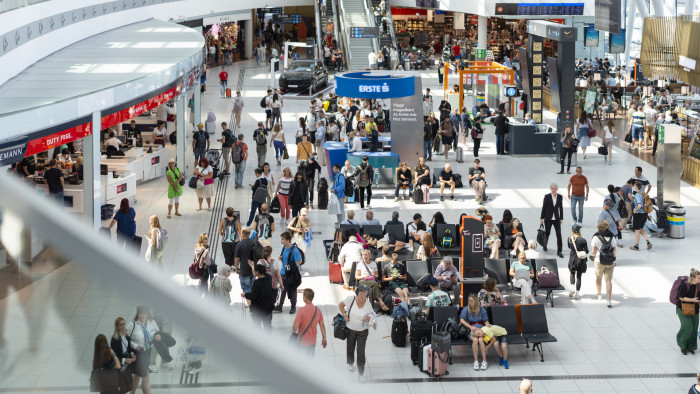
(290, 259)
(339, 191)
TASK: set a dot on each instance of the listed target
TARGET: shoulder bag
(195, 270)
(294, 338)
(107, 380)
(340, 328)
(582, 254)
(688, 308)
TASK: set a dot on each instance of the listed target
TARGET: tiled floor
(49, 325)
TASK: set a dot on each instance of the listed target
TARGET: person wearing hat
(610, 215)
(299, 226)
(174, 176)
(364, 174)
(437, 298)
(200, 143)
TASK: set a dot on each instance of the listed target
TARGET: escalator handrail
(341, 18)
(336, 22)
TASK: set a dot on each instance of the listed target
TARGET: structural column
(181, 133)
(92, 187)
(249, 32)
(482, 37)
(197, 92)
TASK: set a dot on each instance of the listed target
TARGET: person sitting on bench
(366, 274)
(404, 177)
(449, 277)
(522, 273)
(436, 299)
(395, 276)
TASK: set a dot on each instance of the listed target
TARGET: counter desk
(145, 166)
(528, 139)
(385, 163)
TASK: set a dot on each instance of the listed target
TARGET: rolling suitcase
(137, 244)
(399, 331)
(323, 199)
(335, 274)
(437, 363)
(426, 194)
(418, 196)
(423, 361)
(460, 155)
(417, 351)
(421, 330)
(228, 92)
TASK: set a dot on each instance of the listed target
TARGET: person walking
(637, 125)
(566, 150)
(608, 140)
(583, 126)
(227, 140)
(578, 256)
(307, 322)
(339, 191)
(203, 259)
(447, 134)
(261, 297)
(282, 193)
(243, 261)
(359, 316)
(239, 157)
(578, 193)
(278, 142)
(364, 174)
(120, 343)
(260, 137)
(174, 176)
(267, 100)
(55, 182)
(501, 124)
(238, 105)
(687, 338)
(552, 214)
(299, 194)
(276, 105)
(299, 227)
(230, 231)
(223, 78)
(639, 217)
(221, 286)
(259, 189)
(155, 239)
(372, 59)
(477, 135)
(142, 332)
(126, 223)
(291, 260)
(603, 237)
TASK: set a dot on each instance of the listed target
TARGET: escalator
(386, 36)
(355, 13)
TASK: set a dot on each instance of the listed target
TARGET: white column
(92, 187)
(630, 30)
(482, 37)
(643, 9)
(181, 133)
(659, 9)
(197, 92)
(249, 32)
(689, 7)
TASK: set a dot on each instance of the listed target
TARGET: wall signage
(367, 85)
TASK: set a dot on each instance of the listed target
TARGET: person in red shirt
(223, 77)
(455, 50)
(308, 317)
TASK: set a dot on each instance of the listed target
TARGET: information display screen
(554, 82)
(286, 19)
(539, 9)
(592, 36)
(608, 15)
(617, 42)
(364, 32)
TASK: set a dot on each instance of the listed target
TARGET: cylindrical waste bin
(676, 221)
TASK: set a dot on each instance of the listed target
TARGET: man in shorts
(639, 217)
(227, 140)
(395, 276)
(268, 108)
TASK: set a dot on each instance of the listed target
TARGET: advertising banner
(368, 85)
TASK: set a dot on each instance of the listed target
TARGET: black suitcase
(417, 351)
(458, 181)
(418, 196)
(421, 330)
(137, 244)
(323, 199)
(399, 331)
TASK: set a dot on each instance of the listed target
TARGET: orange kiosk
(478, 71)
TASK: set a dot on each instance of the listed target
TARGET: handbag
(195, 270)
(546, 278)
(628, 137)
(603, 150)
(333, 206)
(285, 154)
(107, 380)
(574, 144)
(591, 131)
(200, 184)
(688, 308)
(581, 255)
(474, 133)
(193, 182)
(340, 328)
(542, 236)
(293, 338)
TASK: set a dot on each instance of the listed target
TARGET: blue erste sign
(366, 85)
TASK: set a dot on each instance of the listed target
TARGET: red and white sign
(121, 188)
(155, 160)
(57, 139)
(138, 109)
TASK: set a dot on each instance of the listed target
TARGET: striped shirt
(284, 185)
(638, 118)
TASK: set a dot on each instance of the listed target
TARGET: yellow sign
(536, 70)
(537, 82)
(537, 118)
(537, 46)
(537, 58)
(536, 94)
(536, 105)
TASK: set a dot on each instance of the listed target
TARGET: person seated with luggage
(404, 177)
(449, 277)
(422, 173)
(394, 276)
(350, 218)
(490, 295)
(382, 242)
(412, 229)
(438, 218)
(367, 274)
(477, 180)
(522, 273)
(447, 179)
(113, 146)
(650, 226)
(436, 298)
(427, 249)
(492, 236)
(349, 253)
(473, 317)
(385, 257)
(514, 238)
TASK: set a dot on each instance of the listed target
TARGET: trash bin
(676, 221)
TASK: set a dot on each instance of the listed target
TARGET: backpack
(291, 271)
(363, 177)
(647, 203)
(161, 239)
(237, 154)
(229, 137)
(301, 252)
(447, 240)
(260, 137)
(349, 188)
(263, 228)
(230, 234)
(622, 208)
(673, 297)
(201, 138)
(263, 104)
(607, 251)
(257, 253)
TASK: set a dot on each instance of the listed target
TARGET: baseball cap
(432, 281)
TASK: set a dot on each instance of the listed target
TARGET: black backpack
(607, 251)
(349, 188)
(291, 271)
(263, 104)
(621, 208)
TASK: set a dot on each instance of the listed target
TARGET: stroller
(214, 158)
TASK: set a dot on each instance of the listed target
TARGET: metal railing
(371, 22)
(346, 32)
(125, 273)
(341, 43)
(241, 79)
(319, 29)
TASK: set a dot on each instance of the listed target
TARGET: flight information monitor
(539, 9)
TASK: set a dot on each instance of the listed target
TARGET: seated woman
(427, 250)
(474, 317)
(514, 237)
(490, 295)
(422, 173)
(531, 252)
(382, 242)
(438, 218)
(367, 274)
(522, 273)
(492, 236)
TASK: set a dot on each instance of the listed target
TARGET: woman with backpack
(687, 311)
(174, 176)
(155, 240)
(126, 223)
(578, 256)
